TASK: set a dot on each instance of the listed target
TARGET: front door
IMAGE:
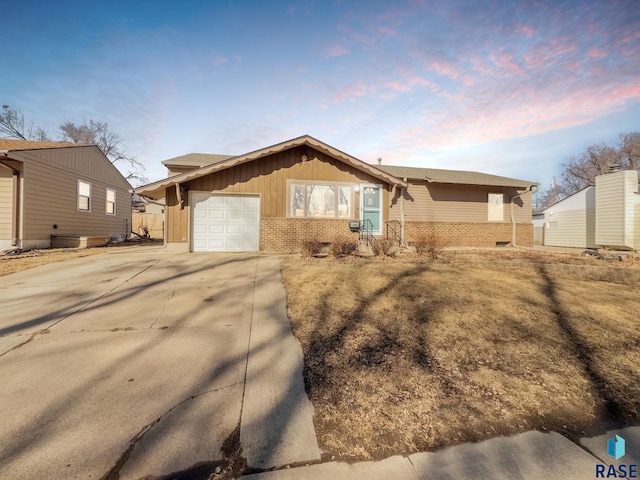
(371, 207)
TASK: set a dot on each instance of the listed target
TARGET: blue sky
(510, 88)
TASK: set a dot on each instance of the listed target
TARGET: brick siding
(471, 234)
(286, 235)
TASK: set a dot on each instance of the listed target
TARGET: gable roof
(158, 188)
(436, 175)
(195, 159)
(8, 144)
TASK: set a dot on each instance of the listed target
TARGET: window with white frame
(84, 196)
(496, 207)
(111, 202)
(320, 200)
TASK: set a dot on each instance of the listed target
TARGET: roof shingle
(10, 144)
(453, 176)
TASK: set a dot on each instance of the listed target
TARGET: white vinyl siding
(496, 207)
(615, 194)
(111, 202)
(84, 196)
(571, 222)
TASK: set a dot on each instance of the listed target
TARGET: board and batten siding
(6, 207)
(438, 202)
(50, 195)
(268, 177)
(615, 209)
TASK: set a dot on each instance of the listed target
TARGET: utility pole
(555, 191)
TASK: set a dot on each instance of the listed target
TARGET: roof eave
(238, 160)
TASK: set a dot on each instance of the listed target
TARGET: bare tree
(12, 125)
(581, 170)
(629, 149)
(99, 133)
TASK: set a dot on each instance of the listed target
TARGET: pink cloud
(628, 38)
(390, 32)
(336, 50)
(597, 53)
(544, 55)
(526, 30)
(410, 83)
(353, 91)
(505, 62)
(219, 60)
(443, 68)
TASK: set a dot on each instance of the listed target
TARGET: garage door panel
(225, 222)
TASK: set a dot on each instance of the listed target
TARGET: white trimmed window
(320, 200)
(84, 196)
(111, 202)
(496, 207)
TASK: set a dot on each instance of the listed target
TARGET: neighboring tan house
(71, 193)
(275, 198)
(606, 214)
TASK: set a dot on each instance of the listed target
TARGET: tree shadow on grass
(582, 351)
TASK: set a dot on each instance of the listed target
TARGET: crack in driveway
(114, 472)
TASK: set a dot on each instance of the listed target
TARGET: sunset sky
(510, 88)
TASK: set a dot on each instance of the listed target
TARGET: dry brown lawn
(35, 258)
(409, 355)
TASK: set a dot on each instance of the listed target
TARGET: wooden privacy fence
(153, 221)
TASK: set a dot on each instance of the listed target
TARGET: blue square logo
(615, 447)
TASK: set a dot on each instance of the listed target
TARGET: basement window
(111, 202)
(319, 200)
(84, 196)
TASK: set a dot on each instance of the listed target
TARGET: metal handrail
(366, 230)
(394, 231)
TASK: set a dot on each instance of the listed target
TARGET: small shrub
(429, 244)
(342, 245)
(311, 247)
(381, 246)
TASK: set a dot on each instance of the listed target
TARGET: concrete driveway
(134, 364)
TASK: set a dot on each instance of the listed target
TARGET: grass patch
(35, 258)
(411, 355)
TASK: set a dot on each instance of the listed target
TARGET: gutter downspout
(403, 191)
(530, 188)
(179, 196)
(15, 218)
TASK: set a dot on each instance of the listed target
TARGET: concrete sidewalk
(531, 455)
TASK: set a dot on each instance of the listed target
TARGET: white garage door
(225, 223)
